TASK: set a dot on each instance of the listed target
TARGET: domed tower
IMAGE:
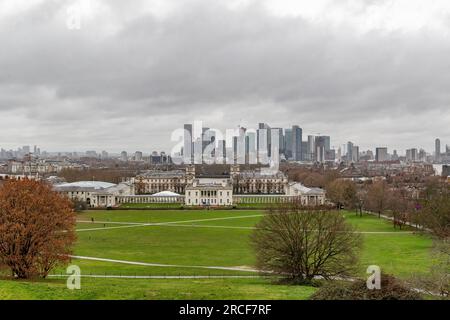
(190, 174)
(234, 170)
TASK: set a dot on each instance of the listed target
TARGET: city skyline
(127, 75)
(284, 133)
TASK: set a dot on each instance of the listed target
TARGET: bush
(79, 205)
(391, 289)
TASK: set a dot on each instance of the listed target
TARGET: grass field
(259, 206)
(151, 205)
(199, 243)
(167, 289)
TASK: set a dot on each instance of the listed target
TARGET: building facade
(209, 192)
(95, 193)
(243, 182)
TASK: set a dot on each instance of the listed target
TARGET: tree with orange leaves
(37, 228)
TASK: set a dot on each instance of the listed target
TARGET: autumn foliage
(37, 228)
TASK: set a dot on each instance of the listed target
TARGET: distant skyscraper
(250, 148)
(297, 136)
(288, 143)
(209, 138)
(422, 155)
(220, 153)
(263, 145)
(411, 155)
(239, 149)
(264, 128)
(138, 156)
(322, 149)
(327, 142)
(349, 155)
(355, 154)
(330, 155)
(124, 156)
(280, 139)
(305, 150)
(311, 148)
(188, 153)
(339, 154)
(205, 138)
(395, 155)
(320, 143)
(381, 154)
(437, 150)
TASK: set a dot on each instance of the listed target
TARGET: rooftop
(96, 185)
(164, 174)
(166, 194)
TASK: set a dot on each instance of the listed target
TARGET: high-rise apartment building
(138, 156)
(263, 132)
(349, 155)
(437, 150)
(288, 143)
(381, 154)
(411, 155)
(355, 154)
(311, 150)
(297, 136)
(188, 153)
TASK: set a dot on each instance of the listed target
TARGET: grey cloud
(207, 61)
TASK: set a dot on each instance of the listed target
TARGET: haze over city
(371, 72)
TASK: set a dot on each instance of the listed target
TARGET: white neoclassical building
(95, 193)
(209, 192)
(307, 196)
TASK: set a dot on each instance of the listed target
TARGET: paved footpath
(152, 277)
(164, 265)
(134, 224)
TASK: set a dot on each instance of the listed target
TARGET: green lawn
(171, 289)
(260, 206)
(151, 205)
(191, 239)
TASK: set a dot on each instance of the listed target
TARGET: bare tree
(361, 195)
(377, 197)
(36, 228)
(342, 193)
(436, 209)
(400, 206)
(300, 244)
(435, 216)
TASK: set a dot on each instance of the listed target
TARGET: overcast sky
(373, 72)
